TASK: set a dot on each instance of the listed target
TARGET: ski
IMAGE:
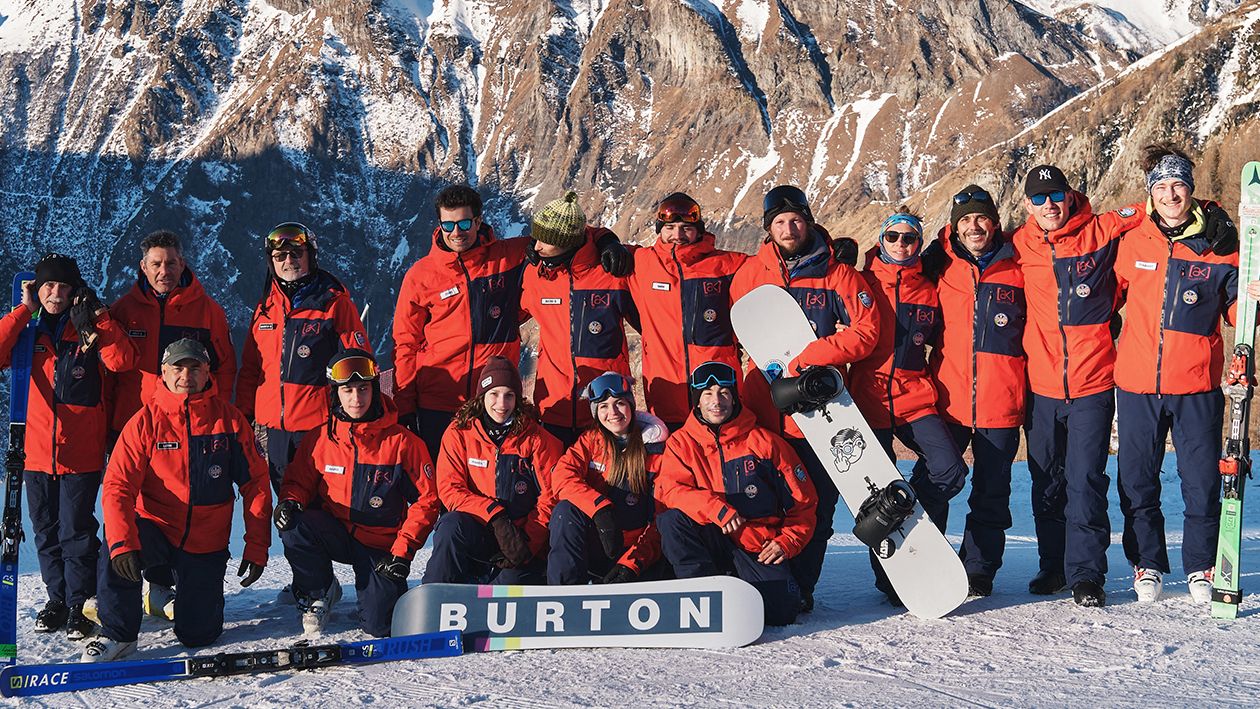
(14, 463)
(1235, 465)
(33, 680)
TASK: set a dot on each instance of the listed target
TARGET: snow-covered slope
(1139, 25)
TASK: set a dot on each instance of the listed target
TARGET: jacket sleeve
(118, 352)
(301, 477)
(1117, 222)
(454, 490)
(221, 341)
(799, 522)
(853, 342)
(568, 478)
(250, 373)
(350, 328)
(255, 496)
(423, 512)
(1232, 291)
(120, 488)
(547, 453)
(679, 489)
(410, 319)
(10, 328)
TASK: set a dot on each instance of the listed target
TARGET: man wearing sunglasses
(580, 310)
(1067, 254)
(681, 288)
(797, 255)
(980, 369)
(303, 318)
(167, 500)
(459, 305)
(739, 498)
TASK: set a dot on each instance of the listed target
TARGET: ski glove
(83, 315)
(394, 568)
(620, 574)
(613, 256)
(1220, 230)
(127, 565)
(249, 571)
(844, 250)
(933, 260)
(286, 514)
(609, 533)
(512, 542)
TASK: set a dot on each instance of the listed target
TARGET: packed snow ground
(1011, 649)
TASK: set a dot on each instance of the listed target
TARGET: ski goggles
(606, 386)
(712, 374)
(462, 224)
(976, 196)
(348, 368)
(290, 234)
(1056, 197)
(675, 210)
(785, 198)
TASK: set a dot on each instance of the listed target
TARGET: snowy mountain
(1140, 26)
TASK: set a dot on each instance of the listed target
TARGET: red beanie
(498, 372)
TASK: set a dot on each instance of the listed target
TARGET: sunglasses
(282, 256)
(711, 374)
(607, 386)
(342, 371)
(290, 234)
(463, 224)
(684, 211)
(907, 237)
(977, 196)
(1056, 197)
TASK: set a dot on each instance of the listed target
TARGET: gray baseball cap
(186, 348)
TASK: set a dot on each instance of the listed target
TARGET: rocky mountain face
(221, 118)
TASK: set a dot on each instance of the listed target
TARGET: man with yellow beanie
(580, 309)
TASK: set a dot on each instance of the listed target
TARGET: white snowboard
(708, 612)
(921, 565)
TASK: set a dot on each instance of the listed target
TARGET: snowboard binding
(811, 391)
(883, 513)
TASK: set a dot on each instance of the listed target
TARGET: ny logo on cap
(1045, 174)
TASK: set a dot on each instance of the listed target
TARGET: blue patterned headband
(1171, 167)
(907, 219)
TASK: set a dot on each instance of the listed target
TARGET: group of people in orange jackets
(690, 471)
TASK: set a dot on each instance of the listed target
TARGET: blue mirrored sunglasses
(1056, 197)
(463, 224)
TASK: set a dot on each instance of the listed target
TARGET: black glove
(83, 315)
(411, 422)
(127, 565)
(249, 573)
(512, 542)
(932, 261)
(613, 256)
(532, 256)
(609, 533)
(1115, 325)
(844, 250)
(286, 514)
(394, 568)
(1220, 230)
(620, 574)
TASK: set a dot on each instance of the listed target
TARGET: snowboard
(1235, 465)
(923, 568)
(14, 464)
(707, 612)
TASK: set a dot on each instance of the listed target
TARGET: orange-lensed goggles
(344, 370)
(289, 234)
(678, 210)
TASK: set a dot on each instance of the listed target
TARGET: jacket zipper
(472, 333)
(188, 444)
(682, 313)
(284, 345)
(892, 365)
(354, 468)
(1067, 312)
(1163, 316)
(975, 324)
(573, 383)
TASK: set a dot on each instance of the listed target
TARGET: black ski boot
(1089, 594)
(1047, 583)
(79, 627)
(979, 585)
(52, 617)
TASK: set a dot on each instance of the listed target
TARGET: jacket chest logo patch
(552, 301)
(601, 300)
(311, 328)
(1082, 291)
(78, 372)
(266, 326)
(335, 469)
(595, 327)
(864, 298)
(478, 463)
(137, 333)
(304, 352)
(1146, 265)
(449, 292)
(1000, 320)
(657, 285)
(521, 488)
(918, 339)
(1085, 266)
(710, 315)
(1190, 297)
(1004, 295)
(631, 499)
(168, 445)
(1199, 273)
(215, 472)
(815, 300)
(713, 288)
(750, 491)
(376, 501)
(494, 312)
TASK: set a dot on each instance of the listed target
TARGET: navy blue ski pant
(1067, 458)
(567, 435)
(198, 590)
(576, 555)
(696, 550)
(1196, 422)
(281, 445)
(429, 426)
(462, 549)
(63, 518)
(807, 565)
(989, 505)
(316, 542)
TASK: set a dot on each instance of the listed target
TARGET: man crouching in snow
(167, 501)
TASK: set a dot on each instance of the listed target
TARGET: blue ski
(32, 680)
(14, 463)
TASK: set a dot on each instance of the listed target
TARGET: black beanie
(58, 268)
(973, 206)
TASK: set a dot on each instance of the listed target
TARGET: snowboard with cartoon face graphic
(919, 561)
